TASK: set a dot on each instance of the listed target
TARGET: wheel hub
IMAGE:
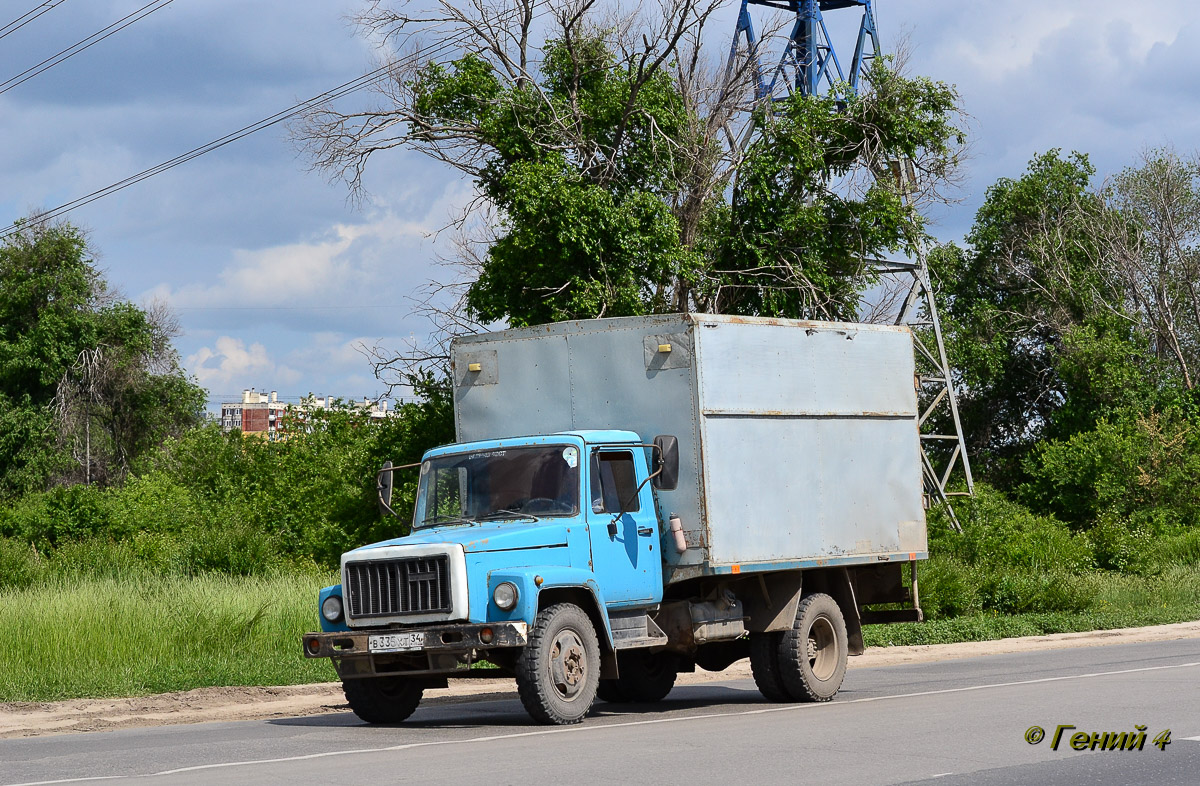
(821, 648)
(568, 664)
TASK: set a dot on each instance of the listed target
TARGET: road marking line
(1191, 739)
(80, 780)
(622, 725)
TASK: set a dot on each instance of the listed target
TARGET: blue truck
(632, 498)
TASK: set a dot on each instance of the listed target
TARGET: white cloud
(230, 363)
(377, 262)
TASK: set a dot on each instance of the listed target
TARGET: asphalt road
(951, 722)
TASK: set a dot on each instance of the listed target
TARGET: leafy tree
(1073, 304)
(1010, 300)
(619, 183)
(87, 381)
(1148, 242)
(809, 209)
(44, 284)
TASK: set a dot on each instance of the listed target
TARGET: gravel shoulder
(28, 719)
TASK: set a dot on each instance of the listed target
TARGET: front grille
(392, 588)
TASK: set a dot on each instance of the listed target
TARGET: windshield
(525, 482)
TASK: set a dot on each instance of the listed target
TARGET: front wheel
(383, 699)
(559, 669)
(812, 655)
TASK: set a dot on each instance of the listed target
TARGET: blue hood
(490, 536)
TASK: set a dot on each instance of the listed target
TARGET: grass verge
(75, 638)
(1111, 600)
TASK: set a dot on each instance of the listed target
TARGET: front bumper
(448, 649)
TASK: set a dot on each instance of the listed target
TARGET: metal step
(631, 631)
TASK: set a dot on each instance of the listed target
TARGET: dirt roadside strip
(29, 719)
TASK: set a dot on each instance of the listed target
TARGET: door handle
(645, 530)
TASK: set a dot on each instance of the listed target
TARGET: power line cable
(337, 92)
(28, 17)
(76, 48)
(341, 90)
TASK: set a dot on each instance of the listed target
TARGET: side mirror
(383, 486)
(666, 453)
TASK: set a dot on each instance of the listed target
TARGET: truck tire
(383, 699)
(812, 655)
(559, 669)
(646, 677)
(764, 665)
(610, 691)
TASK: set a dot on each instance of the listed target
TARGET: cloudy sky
(277, 279)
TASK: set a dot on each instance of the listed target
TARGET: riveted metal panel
(823, 488)
(821, 370)
(667, 350)
(476, 368)
(810, 441)
(532, 390)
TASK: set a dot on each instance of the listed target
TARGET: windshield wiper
(508, 513)
(443, 518)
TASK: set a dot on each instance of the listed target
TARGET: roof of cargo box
(612, 323)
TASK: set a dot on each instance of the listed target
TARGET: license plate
(396, 642)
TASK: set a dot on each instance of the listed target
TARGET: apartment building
(263, 415)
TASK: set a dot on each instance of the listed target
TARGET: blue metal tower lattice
(809, 61)
(809, 64)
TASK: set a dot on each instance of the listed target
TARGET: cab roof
(587, 436)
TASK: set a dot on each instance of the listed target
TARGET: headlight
(331, 609)
(505, 596)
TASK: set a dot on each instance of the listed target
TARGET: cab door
(623, 527)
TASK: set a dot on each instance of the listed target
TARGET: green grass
(1113, 601)
(70, 638)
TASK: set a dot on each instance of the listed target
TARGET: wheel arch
(587, 598)
(835, 582)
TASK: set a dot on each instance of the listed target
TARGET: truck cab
(501, 529)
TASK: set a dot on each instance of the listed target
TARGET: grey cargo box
(798, 440)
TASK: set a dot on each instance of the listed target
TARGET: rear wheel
(610, 691)
(383, 699)
(559, 669)
(812, 655)
(647, 677)
(764, 665)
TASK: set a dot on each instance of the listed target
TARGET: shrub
(948, 588)
(237, 549)
(1179, 549)
(1142, 467)
(998, 532)
(20, 564)
(1023, 592)
(1120, 545)
(96, 556)
(155, 503)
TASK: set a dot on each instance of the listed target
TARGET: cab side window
(614, 482)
